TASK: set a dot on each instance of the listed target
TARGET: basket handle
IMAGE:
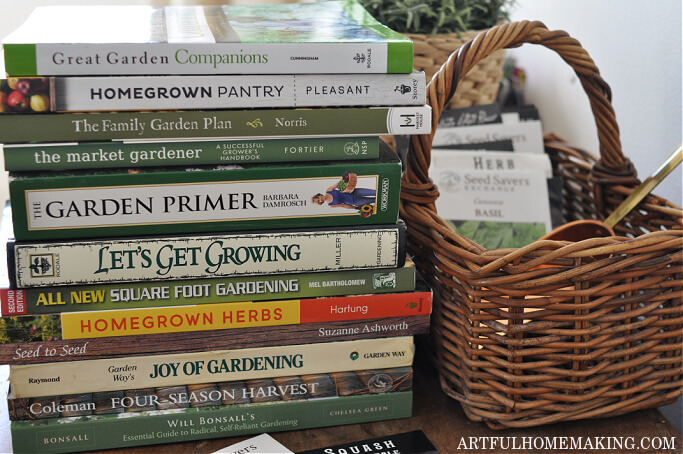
(612, 167)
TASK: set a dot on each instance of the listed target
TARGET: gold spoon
(591, 228)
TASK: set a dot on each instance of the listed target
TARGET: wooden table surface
(444, 422)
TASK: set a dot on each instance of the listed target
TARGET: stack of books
(217, 253)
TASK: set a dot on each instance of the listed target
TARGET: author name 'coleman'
(135, 206)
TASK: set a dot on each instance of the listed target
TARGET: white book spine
(231, 92)
(35, 380)
(210, 58)
(146, 259)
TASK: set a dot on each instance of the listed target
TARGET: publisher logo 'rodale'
(42, 265)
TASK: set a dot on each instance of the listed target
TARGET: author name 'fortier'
(136, 125)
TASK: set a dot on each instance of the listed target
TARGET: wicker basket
(481, 84)
(553, 331)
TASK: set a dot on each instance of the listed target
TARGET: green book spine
(205, 291)
(78, 127)
(112, 431)
(99, 155)
(21, 59)
(173, 200)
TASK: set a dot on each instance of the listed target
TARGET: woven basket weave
(556, 330)
(481, 84)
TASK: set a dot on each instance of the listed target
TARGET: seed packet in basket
(499, 200)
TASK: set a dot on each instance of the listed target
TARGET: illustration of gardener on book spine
(346, 194)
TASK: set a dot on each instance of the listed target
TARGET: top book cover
(326, 37)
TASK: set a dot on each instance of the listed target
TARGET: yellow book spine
(129, 322)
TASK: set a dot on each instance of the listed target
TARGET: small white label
(491, 160)
(262, 444)
(407, 120)
(498, 195)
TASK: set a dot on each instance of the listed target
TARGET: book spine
(222, 316)
(218, 395)
(120, 204)
(51, 351)
(34, 380)
(111, 431)
(205, 291)
(185, 257)
(351, 121)
(99, 155)
(111, 94)
(47, 59)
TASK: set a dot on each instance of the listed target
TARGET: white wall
(637, 47)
